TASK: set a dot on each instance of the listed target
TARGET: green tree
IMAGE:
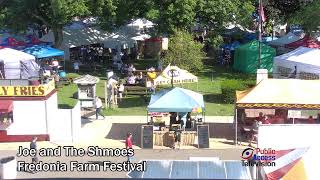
(105, 10)
(217, 14)
(184, 52)
(176, 14)
(55, 14)
(308, 17)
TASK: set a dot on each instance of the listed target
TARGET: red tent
(305, 42)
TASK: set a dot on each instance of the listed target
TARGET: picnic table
(135, 90)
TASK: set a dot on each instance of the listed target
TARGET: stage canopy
(175, 100)
(18, 65)
(43, 51)
(305, 59)
(286, 39)
(179, 76)
(305, 42)
(281, 94)
(246, 57)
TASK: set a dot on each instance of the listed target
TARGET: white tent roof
(179, 76)
(141, 37)
(301, 55)
(287, 39)
(92, 35)
(274, 93)
(142, 22)
(8, 55)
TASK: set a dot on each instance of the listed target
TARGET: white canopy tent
(306, 61)
(140, 23)
(179, 76)
(76, 36)
(286, 39)
(18, 65)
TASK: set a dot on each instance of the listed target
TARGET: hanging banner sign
(19, 91)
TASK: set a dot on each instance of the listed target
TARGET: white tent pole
(236, 129)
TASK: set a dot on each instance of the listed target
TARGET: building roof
(189, 169)
(281, 93)
(87, 79)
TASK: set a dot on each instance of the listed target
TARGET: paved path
(224, 154)
(112, 130)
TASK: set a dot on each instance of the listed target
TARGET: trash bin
(8, 168)
(109, 73)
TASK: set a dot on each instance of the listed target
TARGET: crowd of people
(89, 54)
(50, 70)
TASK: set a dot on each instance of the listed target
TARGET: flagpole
(260, 33)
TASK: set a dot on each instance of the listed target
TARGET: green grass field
(209, 85)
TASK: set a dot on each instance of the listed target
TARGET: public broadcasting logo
(258, 157)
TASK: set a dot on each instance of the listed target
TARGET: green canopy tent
(246, 57)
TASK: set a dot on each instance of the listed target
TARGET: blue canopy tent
(176, 100)
(43, 51)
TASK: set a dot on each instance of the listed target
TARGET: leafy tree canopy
(184, 52)
(18, 14)
(308, 17)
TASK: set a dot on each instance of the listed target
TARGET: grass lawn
(209, 85)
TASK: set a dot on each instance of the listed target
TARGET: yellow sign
(41, 90)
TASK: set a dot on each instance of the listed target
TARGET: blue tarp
(232, 46)
(269, 38)
(175, 100)
(43, 51)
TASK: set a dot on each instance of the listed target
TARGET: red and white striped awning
(6, 106)
(301, 163)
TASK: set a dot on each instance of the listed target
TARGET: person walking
(177, 138)
(33, 146)
(129, 144)
(98, 104)
(76, 66)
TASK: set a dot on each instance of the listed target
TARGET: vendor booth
(178, 75)
(17, 65)
(86, 90)
(281, 95)
(45, 54)
(180, 103)
(246, 58)
(302, 63)
(32, 110)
